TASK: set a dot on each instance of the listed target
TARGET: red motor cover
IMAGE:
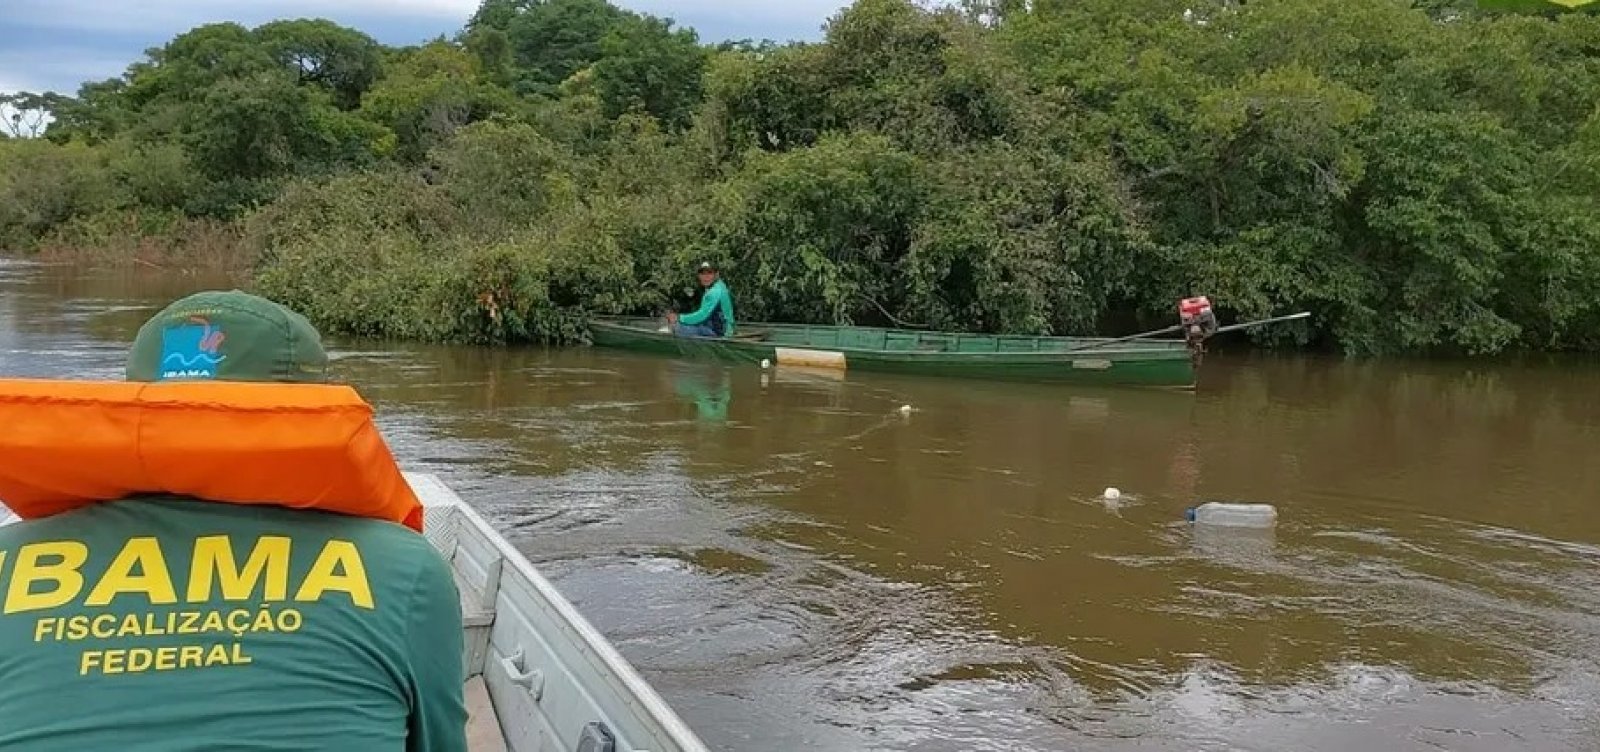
(1192, 308)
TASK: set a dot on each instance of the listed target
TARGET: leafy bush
(43, 185)
(1422, 177)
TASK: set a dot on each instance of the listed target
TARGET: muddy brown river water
(796, 564)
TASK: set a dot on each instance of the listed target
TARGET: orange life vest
(69, 444)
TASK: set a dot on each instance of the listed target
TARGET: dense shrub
(1422, 177)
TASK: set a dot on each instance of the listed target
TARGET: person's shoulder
(177, 516)
(366, 531)
(14, 533)
(394, 538)
(405, 555)
(56, 527)
(413, 557)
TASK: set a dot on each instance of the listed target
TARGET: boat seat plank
(477, 568)
(483, 726)
(473, 612)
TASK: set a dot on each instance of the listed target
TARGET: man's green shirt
(172, 624)
(715, 311)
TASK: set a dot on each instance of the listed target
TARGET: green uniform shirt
(716, 310)
(171, 624)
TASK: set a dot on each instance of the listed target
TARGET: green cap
(227, 336)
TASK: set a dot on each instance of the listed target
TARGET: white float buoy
(905, 409)
(1112, 494)
(1233, 515)
(766, 363)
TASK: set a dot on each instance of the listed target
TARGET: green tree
(25, 114)
(773, 101)
(343, 61)
(504, 175)
(1422, 176)
(430, 93)
(1013, 240)
(818, 234)
(99, 112)
(550, 39)
(647, 66)
(188, 66)
(43, 185)
(269, 127)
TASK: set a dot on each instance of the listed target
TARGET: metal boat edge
(551, 676)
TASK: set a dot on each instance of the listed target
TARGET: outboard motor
(1199, 323)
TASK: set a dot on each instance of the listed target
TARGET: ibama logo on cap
(192, 350)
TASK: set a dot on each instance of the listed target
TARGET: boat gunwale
(618, 673)
(1166, 352)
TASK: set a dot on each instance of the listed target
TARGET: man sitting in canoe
(298, 613)
(714, 318)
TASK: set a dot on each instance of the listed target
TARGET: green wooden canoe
(1164, 363)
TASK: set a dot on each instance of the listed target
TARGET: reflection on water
(797, 563)
(706, 386)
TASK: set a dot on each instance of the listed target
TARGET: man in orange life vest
(169, 623)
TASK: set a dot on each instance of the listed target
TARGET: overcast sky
(58, 44)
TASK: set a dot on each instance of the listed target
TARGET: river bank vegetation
(1423, 176)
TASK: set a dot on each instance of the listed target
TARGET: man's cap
(707, 266)
(227, 336)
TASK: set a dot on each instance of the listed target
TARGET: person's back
(168, 624)
(158, 622)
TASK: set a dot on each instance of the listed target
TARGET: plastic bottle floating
(766, 363)
(1111, 494)
(905, 409)
(1233, 515)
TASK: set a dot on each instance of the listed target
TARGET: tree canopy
(1423, 176)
